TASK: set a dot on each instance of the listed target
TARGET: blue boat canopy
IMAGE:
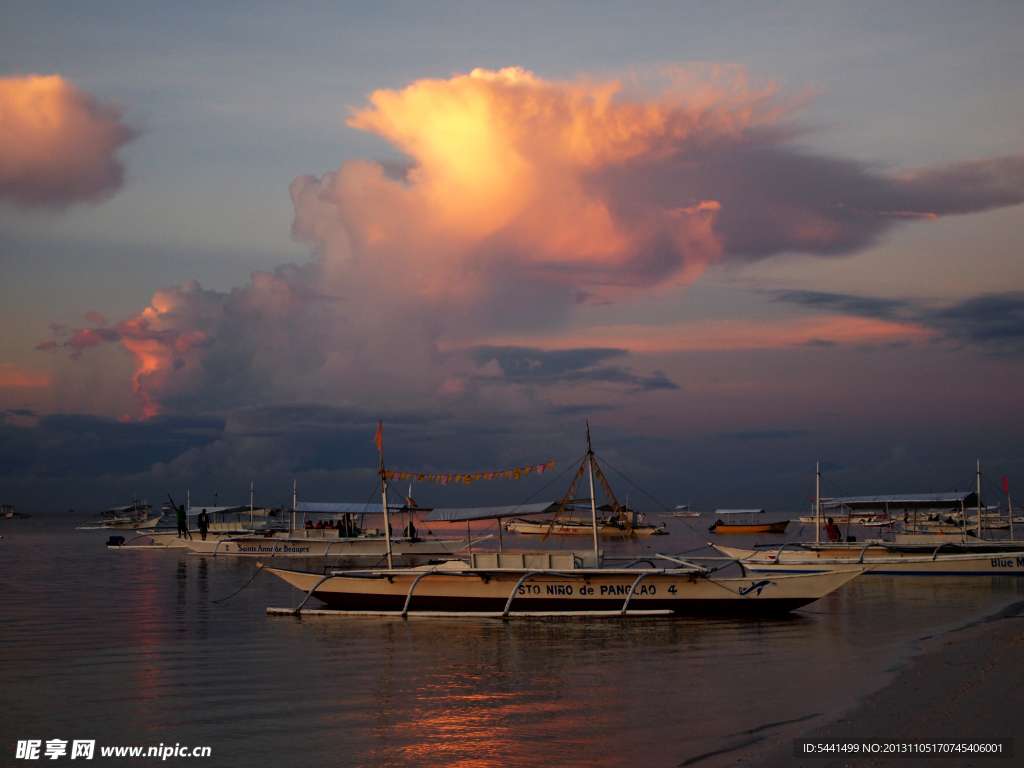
(905, 501)
(489, 513)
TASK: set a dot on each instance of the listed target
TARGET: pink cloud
(523, 199)
(57, 143)
(11, 377)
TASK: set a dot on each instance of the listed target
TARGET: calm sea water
(130, 648)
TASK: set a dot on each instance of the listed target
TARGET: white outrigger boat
(605, 527)
(551, 583)
(923, 551)
(130, 517)
(883, 560)
(341, 537)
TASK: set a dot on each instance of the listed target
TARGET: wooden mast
(979, 498)
(384, 488)
(817, 502)
(593, 502)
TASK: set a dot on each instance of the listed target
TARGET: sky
(740, 239)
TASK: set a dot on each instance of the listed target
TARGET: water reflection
(132, 649)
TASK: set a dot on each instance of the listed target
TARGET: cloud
(11, 377)
(57, 143)
(759, 435)
(991, 321)
(772, 198)
(524, 365)
(520, 199)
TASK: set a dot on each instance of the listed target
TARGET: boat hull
(574, 592)
(366, 551)
(882, 562)
(779, 527)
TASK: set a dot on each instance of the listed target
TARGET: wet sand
(964, 685)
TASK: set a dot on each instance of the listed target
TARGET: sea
(176, 651)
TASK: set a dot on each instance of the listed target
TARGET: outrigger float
(518, 584)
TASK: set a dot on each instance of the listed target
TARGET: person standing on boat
(204, 523)
(183, 531)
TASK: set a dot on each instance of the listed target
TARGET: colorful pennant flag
(503, 474)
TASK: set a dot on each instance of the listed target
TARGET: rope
(243, 586)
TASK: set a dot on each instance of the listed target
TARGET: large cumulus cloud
(57, 143)
(521, 198)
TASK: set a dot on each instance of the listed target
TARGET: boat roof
(215, 510)
(340, 508)
(905, 500)
(125, 508)
(739, 511)
(489, 513)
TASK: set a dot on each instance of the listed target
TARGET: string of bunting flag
(505, 474)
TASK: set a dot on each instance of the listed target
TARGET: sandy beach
(964, 685)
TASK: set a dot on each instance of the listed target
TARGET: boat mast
(295, 490)
(251, 483)
(593, 501)
(1009, 503)
(384, 489)
(817, 502)
(979, 498)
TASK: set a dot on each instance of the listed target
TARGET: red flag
(1006, 486)
(380, 433)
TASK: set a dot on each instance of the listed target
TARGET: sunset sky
(739, 238)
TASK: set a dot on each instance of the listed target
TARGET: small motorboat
(744, 521)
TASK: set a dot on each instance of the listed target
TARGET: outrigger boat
(914, 536)
(342, 537)
(615, 526)
(917, 553)
(551, 583)
(132, 516)
(883, 559)
(750, 525)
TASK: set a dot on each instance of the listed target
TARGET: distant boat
(131, 517)
(684, 510)
(6, 511)
(749, 525)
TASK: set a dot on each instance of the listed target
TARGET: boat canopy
(332, 508)
(905, 501)
(489, 513)
(125, 508)
(217, 510)
(739, 511)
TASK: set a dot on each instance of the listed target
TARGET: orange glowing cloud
(521, 199)
(161, 348)
(13, 378)
(502, 185)
(57, 143)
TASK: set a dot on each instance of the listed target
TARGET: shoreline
(961, 685)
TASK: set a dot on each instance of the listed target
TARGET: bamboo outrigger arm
(632, 589)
